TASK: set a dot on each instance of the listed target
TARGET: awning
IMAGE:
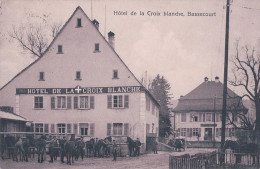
(11, 116)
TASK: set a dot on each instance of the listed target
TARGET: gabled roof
(208, 96)
(79, 8)
(11, 116)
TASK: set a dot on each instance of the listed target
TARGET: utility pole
(224, 108)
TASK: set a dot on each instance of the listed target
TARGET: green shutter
(126, 100)
(109, 101)
(75, 102)
(92, 102)
(53, 102)
(68, 102)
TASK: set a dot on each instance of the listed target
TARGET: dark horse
(131, 146)
(69, 151)
(40, 145)
(90, 147)
(102, 147)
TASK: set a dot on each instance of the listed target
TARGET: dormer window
(78, 77)
(79, 22)
(115, 74)
(60, 49)
(41, 77)
(96, 47)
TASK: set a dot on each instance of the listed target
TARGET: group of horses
(71, 149)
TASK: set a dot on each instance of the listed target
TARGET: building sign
(208, 125)
(80, 90)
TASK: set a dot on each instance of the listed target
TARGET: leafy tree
(160, 89)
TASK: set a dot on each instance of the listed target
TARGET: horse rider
(51, 148)
(138, 144)
(114, 148)
(62, 146)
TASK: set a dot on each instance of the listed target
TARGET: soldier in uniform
(114, 148)
(81, 146)
(138, 144)
(62, 146)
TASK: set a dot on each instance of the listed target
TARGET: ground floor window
(117, 129)
(84, 129)
(39, 127)
(61, 128)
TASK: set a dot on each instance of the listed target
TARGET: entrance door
(208, 134)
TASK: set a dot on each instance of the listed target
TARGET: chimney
(96, 23)
(206, 79)
(111, 39)
(216, 79)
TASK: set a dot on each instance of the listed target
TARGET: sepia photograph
(97, 84)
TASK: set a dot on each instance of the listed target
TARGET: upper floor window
(61, 102)
(60, 49)
(41, 78)
(79, 22)
(115, 74)
(38, 102)
(118, 101)
(78, 76)
(97, 47)
(208, 117)
(84, 102)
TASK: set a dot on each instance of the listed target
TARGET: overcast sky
(184, 49)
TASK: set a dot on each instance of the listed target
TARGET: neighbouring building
(81, 86)
(198, 115)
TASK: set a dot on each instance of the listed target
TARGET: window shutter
(200, 132)
(46, 128)
(52, 128)
(68, 102)
(126, 128)
(75, 128)
(109, 101)
(108, 129)
(190, 117)
(126, 100)
(75, 102)
(68, 128)
(53, 102)
(188, 132)
(92, 129)
(92, 102)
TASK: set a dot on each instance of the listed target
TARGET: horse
(70, 151)
(40, 145)
(102, 148)
(131, 146)
(90, 146)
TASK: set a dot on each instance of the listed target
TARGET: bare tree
(34, 37)
(246, 74)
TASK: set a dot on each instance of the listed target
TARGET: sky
(183, 49)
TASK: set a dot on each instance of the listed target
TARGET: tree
(160, 89)
(246, 75)
(34, 37)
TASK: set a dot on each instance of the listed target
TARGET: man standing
(81, 146)
(114, 150)
(51, 148)
(62, 146)
(138, 144)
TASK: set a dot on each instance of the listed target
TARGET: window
(195, 131)
(83, 129)
(78, 77)
(183, 117)
(194, 118)
(38, 102)
(79, 22)
(115, 74)
(60, 49)
(117, 129)
(61, 128)
(96, 47)
(183, 132)
(39, 127)
(208, 117)
(84, 102)
(41, 78)
(118, 101)
(61, 102)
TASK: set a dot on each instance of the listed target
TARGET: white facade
(80, 85)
